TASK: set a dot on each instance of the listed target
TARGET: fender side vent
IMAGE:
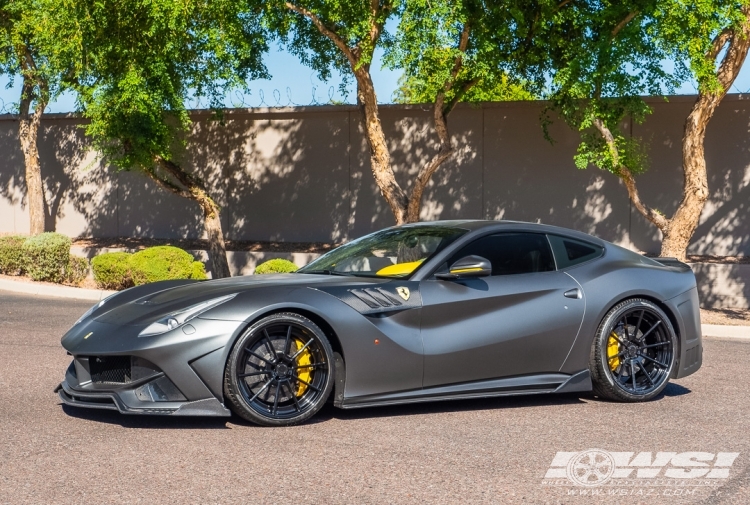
(366, 298)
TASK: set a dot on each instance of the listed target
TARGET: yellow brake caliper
(305, 374)
(613, 348)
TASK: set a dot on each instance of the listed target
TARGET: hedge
(163, 263)
(122, 270)
(276, 266)
(46, 257)
(11, 255)
(112, 270)
(76, 270)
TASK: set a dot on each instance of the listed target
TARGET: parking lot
(488, 451)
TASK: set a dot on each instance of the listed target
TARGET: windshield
(395, 252)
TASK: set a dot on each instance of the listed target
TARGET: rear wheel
(634, 352)
(279, 372)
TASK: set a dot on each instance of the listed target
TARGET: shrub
(163, 263)
(198, 270)
(46, 257)
(11, 255)
(112, 270)
(276, 266)
(77, 270)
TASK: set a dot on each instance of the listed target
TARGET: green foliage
(142, 60)
(121, 270)
(352, 20)
(414, 89)
(163, 263)
(686, 32)
(30, 52)
(198, 271)
(46, 257)
(112, 270)
(604, 59)
(276, 266)
(493, 65)
(76, 270)
(11, 255)
(604, 56)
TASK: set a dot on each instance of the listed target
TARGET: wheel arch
(667, 310)
(664, 307)
(316, 318)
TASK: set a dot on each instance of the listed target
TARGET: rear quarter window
(569, 252)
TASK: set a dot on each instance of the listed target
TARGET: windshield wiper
(327, 272)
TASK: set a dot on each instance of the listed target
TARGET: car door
(523, 319)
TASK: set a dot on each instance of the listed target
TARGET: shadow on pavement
(147, 421)
(441, 407)
(329, 412)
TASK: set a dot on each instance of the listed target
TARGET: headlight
(177, 319)
(92, 309)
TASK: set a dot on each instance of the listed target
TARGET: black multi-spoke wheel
(634, 352)
(280, 371)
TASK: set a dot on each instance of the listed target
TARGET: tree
(24, 55)
(343, 35)
(712, 38)
(453, 51)
(142, 61)
(608, 54)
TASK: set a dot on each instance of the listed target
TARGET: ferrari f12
(414, 313)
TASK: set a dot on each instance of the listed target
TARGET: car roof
(480, 224)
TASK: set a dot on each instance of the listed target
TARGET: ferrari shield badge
(403, 292)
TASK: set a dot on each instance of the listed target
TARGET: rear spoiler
(674, 263)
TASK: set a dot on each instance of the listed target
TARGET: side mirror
(467, 267)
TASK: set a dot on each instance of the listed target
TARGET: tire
(280, 371)
(634, 352)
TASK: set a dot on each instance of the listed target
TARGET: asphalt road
(489, 451)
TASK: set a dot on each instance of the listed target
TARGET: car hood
(162, 299)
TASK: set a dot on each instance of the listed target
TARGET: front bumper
(177, 373)
(128, 400)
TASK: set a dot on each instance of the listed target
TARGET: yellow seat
(400, 268)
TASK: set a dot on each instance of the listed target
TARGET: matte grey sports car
(414, 313)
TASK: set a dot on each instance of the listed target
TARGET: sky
(294, 84)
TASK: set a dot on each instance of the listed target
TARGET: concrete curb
(34, 288)
(726, 331)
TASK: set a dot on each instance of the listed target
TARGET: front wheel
(634, 352)
(279, 372)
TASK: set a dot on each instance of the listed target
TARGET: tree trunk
(217, 251)
(28, 131)
(695, 189)
(380, 158)
(425, 173)
(193, 188)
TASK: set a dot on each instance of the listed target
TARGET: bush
(77, 270)
(276, 266)
(199, 270)
(11, 255)
(112, 270)
(46, 257)
(163, 263)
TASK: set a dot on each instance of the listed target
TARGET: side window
(569, 252)
(511, 253)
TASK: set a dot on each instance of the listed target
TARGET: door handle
(573, 293)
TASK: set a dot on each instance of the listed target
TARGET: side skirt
(512, 386)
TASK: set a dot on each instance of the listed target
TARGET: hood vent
(376, 298)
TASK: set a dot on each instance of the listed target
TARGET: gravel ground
(489, 451)
(732, 317)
